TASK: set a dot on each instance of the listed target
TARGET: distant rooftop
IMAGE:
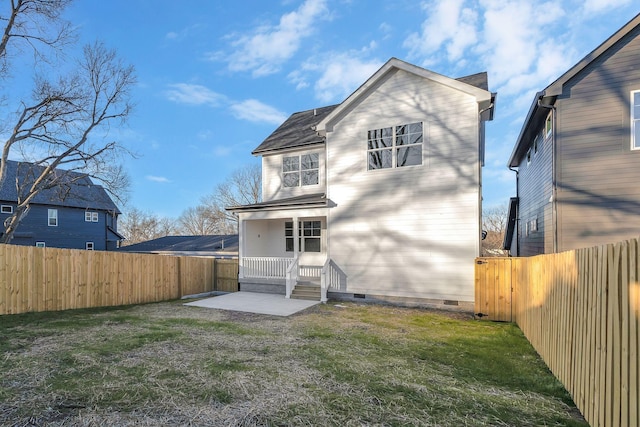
(211, 245)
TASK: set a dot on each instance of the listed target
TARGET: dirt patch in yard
(343, 364)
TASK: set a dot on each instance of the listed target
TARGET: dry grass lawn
(333, 365)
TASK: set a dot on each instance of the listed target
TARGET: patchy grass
(342, 365)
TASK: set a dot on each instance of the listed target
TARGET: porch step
(306, 290)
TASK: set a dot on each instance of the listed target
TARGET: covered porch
(284, 249)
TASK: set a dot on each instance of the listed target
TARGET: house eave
(483, 97)
(304, 202)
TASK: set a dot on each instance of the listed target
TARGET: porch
(299, 281)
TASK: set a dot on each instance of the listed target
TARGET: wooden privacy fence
(50, 279)
(581, 312)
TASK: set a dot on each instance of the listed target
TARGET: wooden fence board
(51, 279)
(581, 312)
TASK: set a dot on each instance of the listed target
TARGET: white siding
(272, 188)
(411, 231)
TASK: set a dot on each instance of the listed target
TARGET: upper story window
(635, 120)
(300, 170)
(548, 126)
(89, 246)
(40, 244)
(91, 216)
(6, 209)
(53, 217)
(395, 147)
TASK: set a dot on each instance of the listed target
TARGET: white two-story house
(378, 197)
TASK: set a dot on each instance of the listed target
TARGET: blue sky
(217, 77)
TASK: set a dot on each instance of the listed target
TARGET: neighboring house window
(531, 226)
(89, 246)
(300, 170)
(91, 216)
(40, 245)
(395, 147)
(309, 233)
(635, 120)
(548, 126)
(6, 209)
(53, 217)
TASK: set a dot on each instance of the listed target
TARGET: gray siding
(598, 173)
(535, 190)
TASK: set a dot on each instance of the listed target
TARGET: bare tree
(54, 130)
(243, 187)
(138, 226)
(36, 24)
(201, 220)
(494, 223)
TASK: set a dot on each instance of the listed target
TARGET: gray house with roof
(213, 246)
(377, 197)
(577, 157)
(76, 214)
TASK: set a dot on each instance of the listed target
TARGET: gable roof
(548, 95)
(302, 128)
(472, 85)
(211, 245)
(76, 189)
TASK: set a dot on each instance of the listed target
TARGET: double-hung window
(395, 147)
(635, 120)
(301, 170)
(91, 216)
(309, 233)
(53, 217)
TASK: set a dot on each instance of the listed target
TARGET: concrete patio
(255, 302)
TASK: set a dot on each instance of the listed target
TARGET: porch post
(296, 237)
(240, 246)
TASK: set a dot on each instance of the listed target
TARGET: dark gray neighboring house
(216, 246)
(577, 157)
(78, 214)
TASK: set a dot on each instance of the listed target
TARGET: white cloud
(448, 25)
(595, 6)
(264, 51)
(191, 94)
(204, 135)
(160, 179)
(337, 74)
(256, 111)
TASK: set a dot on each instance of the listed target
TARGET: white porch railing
(265, 267)
(289, 269)
(332, 277)
(292, 277)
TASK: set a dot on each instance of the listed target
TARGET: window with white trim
(635, 120)
(6, 209)
(91, 216)
(548, 125)
(309, 234)
(53, 217)
(301, 170)
(89, 246)
(40, 245)
(394, 147)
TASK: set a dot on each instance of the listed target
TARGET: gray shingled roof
(478, 80)
(298, 129)
(209, 244)
(77, 191)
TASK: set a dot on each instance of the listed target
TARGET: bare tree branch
(494, 222)
(56, 128)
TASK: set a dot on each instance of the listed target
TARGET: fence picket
(581, 312)
(51, 279)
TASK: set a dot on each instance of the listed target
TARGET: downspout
(554, 182)
(517, 226)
